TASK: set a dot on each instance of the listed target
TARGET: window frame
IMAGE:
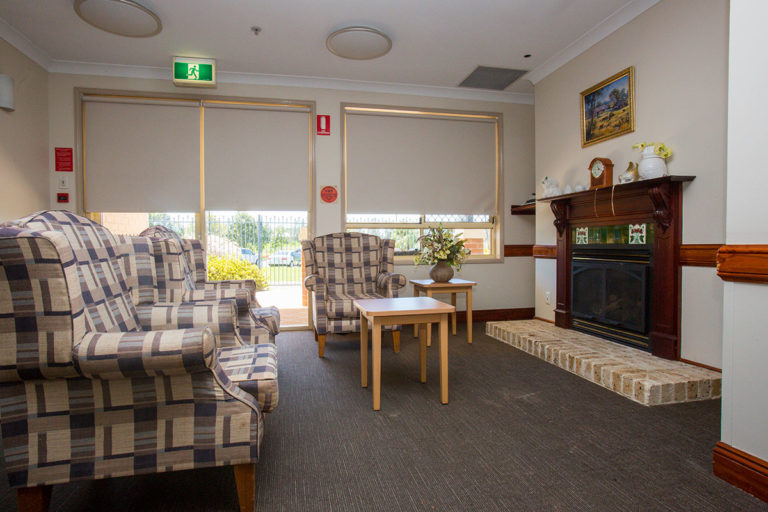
(495, 223)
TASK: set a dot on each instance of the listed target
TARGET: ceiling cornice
(596, 34)
(24, 45)
(602, 30)
(155, 73)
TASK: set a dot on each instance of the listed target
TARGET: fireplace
(610, 292)
(613, 219)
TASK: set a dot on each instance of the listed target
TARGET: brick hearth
(632, 373)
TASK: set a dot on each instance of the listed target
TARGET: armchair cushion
(253, 368)
(143, 354)
(340, 304)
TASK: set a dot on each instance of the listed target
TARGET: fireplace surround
(656, 204)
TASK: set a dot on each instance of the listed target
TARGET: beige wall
(502, 285)
(23, 137)
(745, 347)
(680, 52)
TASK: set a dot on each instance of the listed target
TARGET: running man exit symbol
(194, 72)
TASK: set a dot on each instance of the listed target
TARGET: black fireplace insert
(610, 292)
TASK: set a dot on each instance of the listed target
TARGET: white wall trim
(24, 45)
(602, 30)
(119, 70)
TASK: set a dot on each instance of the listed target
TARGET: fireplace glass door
(610, 294)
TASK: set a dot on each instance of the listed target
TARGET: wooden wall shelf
(523, 209)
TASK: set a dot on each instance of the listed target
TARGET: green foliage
(440, 244)
(242, 230)
(184, 228)
(224, 269)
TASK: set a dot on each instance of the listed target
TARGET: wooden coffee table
(429, 288)
(402, 311)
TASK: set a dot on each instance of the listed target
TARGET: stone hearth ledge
(632, 373)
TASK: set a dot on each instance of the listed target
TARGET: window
(122, 223)
(443, 166)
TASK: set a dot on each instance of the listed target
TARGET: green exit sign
(191, 72)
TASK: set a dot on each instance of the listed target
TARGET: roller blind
(256, 159)
(413, 164)
(141, 156)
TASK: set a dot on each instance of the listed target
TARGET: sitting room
(359, 256)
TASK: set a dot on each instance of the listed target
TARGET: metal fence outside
(269, 240)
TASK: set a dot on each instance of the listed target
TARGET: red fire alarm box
(323, 125)
(62, 197)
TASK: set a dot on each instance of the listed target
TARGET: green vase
(441, 272)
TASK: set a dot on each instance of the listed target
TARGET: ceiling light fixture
(121, 17)
(358, 43)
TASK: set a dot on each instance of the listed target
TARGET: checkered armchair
(342, 267)
(87, 393)
(182, 276)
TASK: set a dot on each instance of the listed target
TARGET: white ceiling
(436, 43)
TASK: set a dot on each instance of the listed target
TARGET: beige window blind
(141, 155)
(257, 158)
(420, 164)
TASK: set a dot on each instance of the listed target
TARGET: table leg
(363, 351)
(396, 341)
(469, 315)
(428, 327)
(453, 315)
(376, 365)
(423, 356)
(415, 326)
(444, 359)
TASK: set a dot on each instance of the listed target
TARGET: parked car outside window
(296, 257)
(248, 255)
(284, 257)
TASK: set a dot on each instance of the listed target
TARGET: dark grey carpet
(518, 435)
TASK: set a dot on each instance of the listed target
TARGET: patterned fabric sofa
(342, 267)
(182, 273)
(86, 391)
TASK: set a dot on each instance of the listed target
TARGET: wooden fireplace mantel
(658, 201)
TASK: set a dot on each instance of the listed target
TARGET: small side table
(429, 288)
(402, 311)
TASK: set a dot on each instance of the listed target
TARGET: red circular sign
(329, 194)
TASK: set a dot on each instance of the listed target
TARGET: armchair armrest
(242, 296)
(314, 283)
(232, 284)
(120, 355)
(220, 316)
(388, 283)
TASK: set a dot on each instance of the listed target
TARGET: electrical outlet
(548, 298)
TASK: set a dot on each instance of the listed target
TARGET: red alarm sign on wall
(329, 194)
(63, 159)
(324, 125)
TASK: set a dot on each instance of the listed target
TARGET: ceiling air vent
(498, 79)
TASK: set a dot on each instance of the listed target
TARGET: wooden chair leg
(34, 499)
(396, 341)
(320, 345)
(315, 335)
(245, 480)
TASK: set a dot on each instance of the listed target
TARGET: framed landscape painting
(608, 108)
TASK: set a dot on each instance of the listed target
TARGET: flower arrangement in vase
(444, 250)
(653, 156)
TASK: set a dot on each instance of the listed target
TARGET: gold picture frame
(608, 108)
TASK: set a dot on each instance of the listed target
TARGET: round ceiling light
(121, 17)
(359, 43)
